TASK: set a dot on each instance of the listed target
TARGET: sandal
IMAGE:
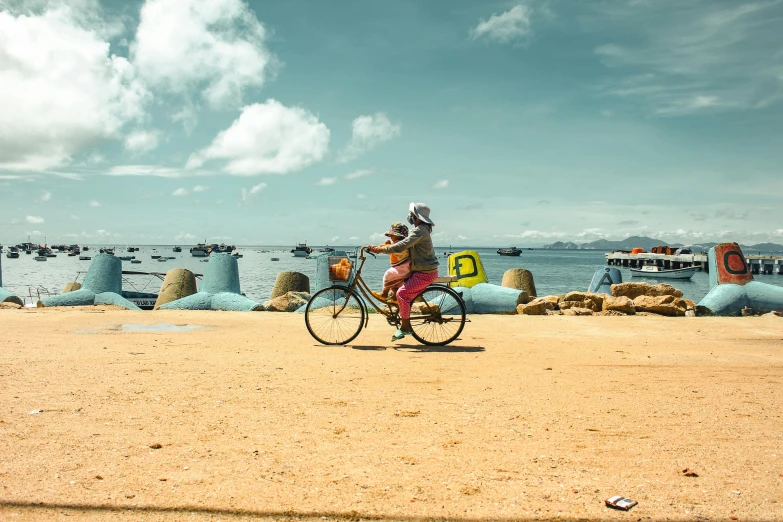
(399, 334)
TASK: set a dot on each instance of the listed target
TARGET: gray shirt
(419, 243)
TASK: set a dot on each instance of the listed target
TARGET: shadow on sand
(420, 348)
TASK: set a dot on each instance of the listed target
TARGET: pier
(758, 264)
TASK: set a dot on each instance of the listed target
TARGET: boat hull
(678, 273)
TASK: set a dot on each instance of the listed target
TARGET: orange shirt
(398, 258)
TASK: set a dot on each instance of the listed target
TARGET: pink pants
(417, 282)
(396, 275)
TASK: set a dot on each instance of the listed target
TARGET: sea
(554, 271)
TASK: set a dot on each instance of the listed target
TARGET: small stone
(156, 446)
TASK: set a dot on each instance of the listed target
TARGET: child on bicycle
(400, 264)
(424, 263)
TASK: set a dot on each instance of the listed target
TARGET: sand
(523, 418)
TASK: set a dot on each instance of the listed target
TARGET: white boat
(663, 273)
(302, 250)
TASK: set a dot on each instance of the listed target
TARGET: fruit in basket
(341, 271)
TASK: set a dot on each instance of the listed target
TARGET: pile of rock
(626, 299)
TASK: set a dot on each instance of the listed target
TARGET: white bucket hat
(421, 211)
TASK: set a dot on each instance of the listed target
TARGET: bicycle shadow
(421, 348)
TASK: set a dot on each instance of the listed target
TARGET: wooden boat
(40, 258)
(135, 261)
(176, 249)
(84, 258)
(662, 273)
(513, 251)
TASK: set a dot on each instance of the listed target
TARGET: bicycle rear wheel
(334, 315)
(437, 315)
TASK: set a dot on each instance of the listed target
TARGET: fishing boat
(663, 273)
(40, 258)
(275, 259)
(162, 259)
(127, 258)
(135, 261)
(200, 250)
(84, 258)
(448, 252)
(513, 251)
(109, 251)
(13, 253)
(237, 254)
(155, 257)
(176, 249)
(301, 250)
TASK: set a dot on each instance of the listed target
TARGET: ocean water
(554, 271)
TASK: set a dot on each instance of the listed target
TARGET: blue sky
(271, 122)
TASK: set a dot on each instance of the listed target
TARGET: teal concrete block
(198, 301)
(110, 298)
(467, 297)
(603, 279)
(104, 274)
(729, 299)
(8, 297)
(81, 297)
(221, 275)
(486, 298)
(234, 303)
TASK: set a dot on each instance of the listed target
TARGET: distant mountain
(559, 245)
(647, 243)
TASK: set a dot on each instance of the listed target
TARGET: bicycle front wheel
(335, 315)
(437, 315)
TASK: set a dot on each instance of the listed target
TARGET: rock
(703, 311)
(177, 284)
(549, 299)
(290, 282)
(589, 300)
(519, 279)
(536, 307)
(663, 305)
(690, 313)
(663, 289)
(578, 311)
(71, 287)
(689, 305)
(554, 312)
(622, 304)
(10, 305)
(630, 290)
(288, 302)
(576, 296)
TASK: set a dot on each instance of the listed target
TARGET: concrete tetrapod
(5, 295)
(102, 285)
(177, 284)
(290, 282)
(603, 279)
(219, 289)
(519, 279)
(732, 286)
(480, 296)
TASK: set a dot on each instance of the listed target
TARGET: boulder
(577, 311)
(630, 290)
(549, 298)
(288, 302)
(536, 307)
(290, 282)
(519, 279)
(619, 304)
(11, 305)
(72, 287)
(663, 289)
(177, 284)
(593, 301)
(663, 305)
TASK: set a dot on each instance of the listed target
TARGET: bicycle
(336, 315)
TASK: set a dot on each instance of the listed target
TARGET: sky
(278, 121)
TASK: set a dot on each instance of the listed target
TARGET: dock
(758, 264)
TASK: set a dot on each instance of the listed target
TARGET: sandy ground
(524, 418)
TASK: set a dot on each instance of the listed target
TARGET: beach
(107, 415)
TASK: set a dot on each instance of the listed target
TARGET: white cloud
(356, 174)
(46, 196)
(200, 188)
(248, 194)
(62, 89)
(35, 220)
(94, 203)
(180, 192)
(368, 131)
(185, 236)
(216, 46)
(325, 182)
(506, 27)
(361, 196)
(441, 184)
(267, 138)
(150, 170)
(141, 141)
(703, 59)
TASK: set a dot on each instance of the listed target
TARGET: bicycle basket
(339, 268)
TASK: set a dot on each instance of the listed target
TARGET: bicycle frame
(365, 292)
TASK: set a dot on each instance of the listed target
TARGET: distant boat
(200, 250)
(448, 252)
(84, 258)
(12, 253)
(155, 257)
(301, 250)
(161, 259)
(176, 249)
(85, 248)
(237, 254)
(275, 259)
(663, 273)
(513, 251)
(135, 261)
(40, 258)
(127, 258)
